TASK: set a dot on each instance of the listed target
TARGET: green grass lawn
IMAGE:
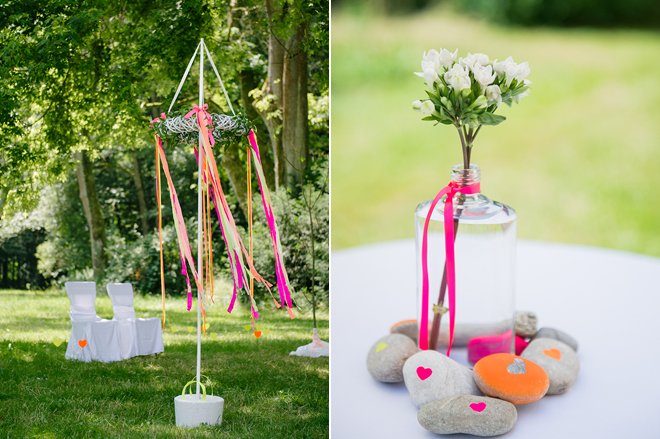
(267, 393)
(579, 159)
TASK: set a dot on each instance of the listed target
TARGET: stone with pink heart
(468, 414)
(431, 375)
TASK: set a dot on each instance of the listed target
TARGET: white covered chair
(92, 338)
(137, 336)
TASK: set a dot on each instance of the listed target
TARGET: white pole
(200, 243)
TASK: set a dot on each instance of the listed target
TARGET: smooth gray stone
(409, 328)
(386, 357)
(476, 415)
(525, 324)
(562, 369)
(557, 335)
(438, 377)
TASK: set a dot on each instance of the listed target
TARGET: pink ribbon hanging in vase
(449, 191)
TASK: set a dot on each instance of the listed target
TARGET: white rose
(458, 77)
(507, 68)
(429, 75)
(500, 67)
(431, 60)
(522, 71)
(494, 94)
(474, 59)
(483, 75)
(416, 104)
(447, 58)
(427, 108)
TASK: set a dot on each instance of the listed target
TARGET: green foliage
(138, 262)
(90, 76)
(384, 160)
(296, 237)
(617, 13)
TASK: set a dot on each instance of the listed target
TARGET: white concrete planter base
(190, 411)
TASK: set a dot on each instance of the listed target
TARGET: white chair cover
(137, 336)
(92, 338)
(121, 296)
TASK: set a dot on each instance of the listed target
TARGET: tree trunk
(139, 189)
(92, 210)
(275, 85)
(294, 109)
(248, 83)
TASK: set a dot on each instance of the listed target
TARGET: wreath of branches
(226, 129)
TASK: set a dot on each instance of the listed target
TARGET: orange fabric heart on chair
(82, 343)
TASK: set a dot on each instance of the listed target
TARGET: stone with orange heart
(559, 361)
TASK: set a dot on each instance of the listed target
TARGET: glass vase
(485, 243)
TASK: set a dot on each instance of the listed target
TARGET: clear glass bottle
(485, 247)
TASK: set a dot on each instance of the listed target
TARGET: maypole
(207, 130)
(200, 219)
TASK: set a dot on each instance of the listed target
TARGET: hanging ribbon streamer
(235, 248)
(160, 235)
(248, 180)
(180, 227)
(283, 285)
(449, 191)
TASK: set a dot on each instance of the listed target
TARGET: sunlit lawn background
(267, 392)
(579, 159)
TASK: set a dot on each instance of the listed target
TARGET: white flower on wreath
(458, 77)
(474, 59)
(427, 108)
(483, 75)
(494, 94)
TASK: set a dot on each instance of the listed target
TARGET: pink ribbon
(281, 275)
(203, 117)
(450, 190)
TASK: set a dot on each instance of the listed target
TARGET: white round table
(608, 300)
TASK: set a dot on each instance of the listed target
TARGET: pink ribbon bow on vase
(450, 191)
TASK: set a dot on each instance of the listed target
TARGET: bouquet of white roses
(466, 92)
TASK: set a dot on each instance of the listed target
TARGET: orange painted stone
(511, 378)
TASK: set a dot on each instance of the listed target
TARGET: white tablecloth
(608, 300)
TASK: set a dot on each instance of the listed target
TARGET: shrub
(630, 13)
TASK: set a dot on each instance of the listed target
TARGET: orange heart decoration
(82, 343)
(553, 353)
(257, 334)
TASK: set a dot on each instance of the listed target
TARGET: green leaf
(491, 119)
